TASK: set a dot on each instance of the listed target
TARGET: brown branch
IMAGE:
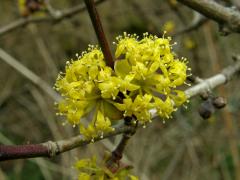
(113, 163)
(23, 151)
(51, 148)
(99, 32)
(228, 18)
(61, 15)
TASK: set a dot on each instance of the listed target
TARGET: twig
(194, 79)
(50, 148)
(113, 163)
(218, 79)
(53, 12)
(29, 74)
(99, 32)
(228, 18)
(52, 19)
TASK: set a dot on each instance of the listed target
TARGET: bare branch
(229, 18)
(99, 32)
(113, 163)
(217, 80)
(50, 148)
(61, 15)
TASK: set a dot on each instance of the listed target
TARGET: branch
(99, 32)
(228, 18)
(51, 148)
(208, 84)
(113, 163)
(61, 15)
(38, 81)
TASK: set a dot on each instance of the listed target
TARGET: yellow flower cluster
(79, 86)
(146, 75)
(90, 170)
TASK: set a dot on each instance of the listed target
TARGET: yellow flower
(110, 88)
(104, 74)
(84, 176)
(163, 83)
(145, 68)
(140, 71)
(179, 97)
(103, 123)
(98, 127)
(90, 169)
(139, 107)
(164, 108)
(178, 72)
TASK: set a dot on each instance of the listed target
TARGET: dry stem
(228, 18)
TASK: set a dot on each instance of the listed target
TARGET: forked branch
(228, 18)
(51, 148)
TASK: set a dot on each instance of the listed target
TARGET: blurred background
(186, 147)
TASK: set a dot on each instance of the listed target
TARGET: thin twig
(61, 15)
(214, 81)
(228, 18)
(50, 148)
(113, 163)
(99, 32)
